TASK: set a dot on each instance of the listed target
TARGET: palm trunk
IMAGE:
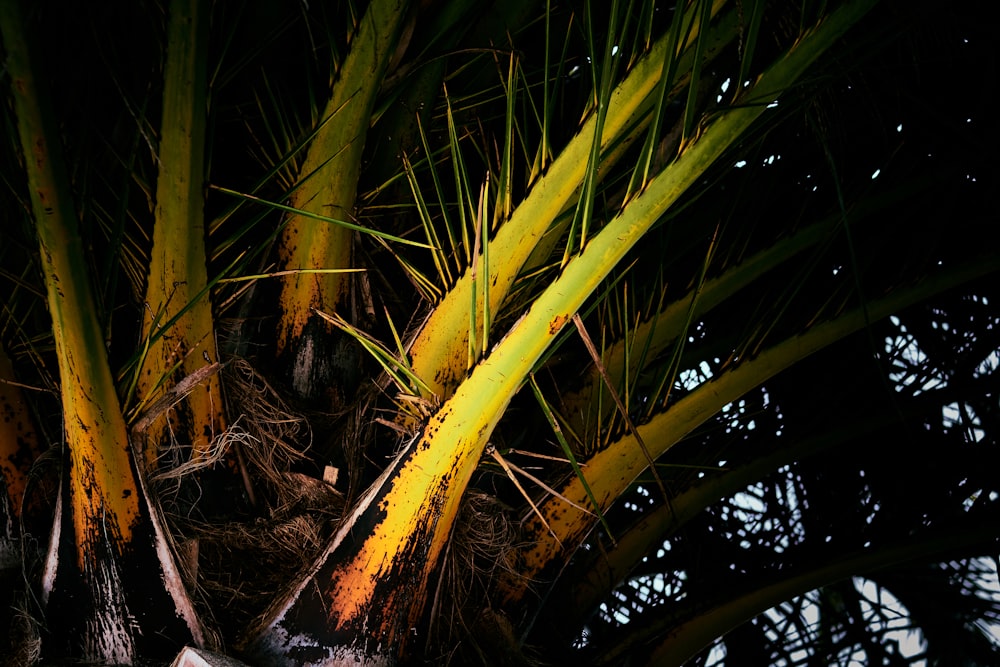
(317, 362)
(111, 589)
(178, 328)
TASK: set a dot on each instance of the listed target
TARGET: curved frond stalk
(612, 470)
(111, 588)
(655, 333)
(178, 326)
(597, 581)
(679, 643)
(327, 185)
(440, 349)
(351, 603)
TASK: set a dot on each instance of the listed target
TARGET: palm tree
(393, 332)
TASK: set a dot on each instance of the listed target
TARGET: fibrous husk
(479, 546)
(238, 562)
